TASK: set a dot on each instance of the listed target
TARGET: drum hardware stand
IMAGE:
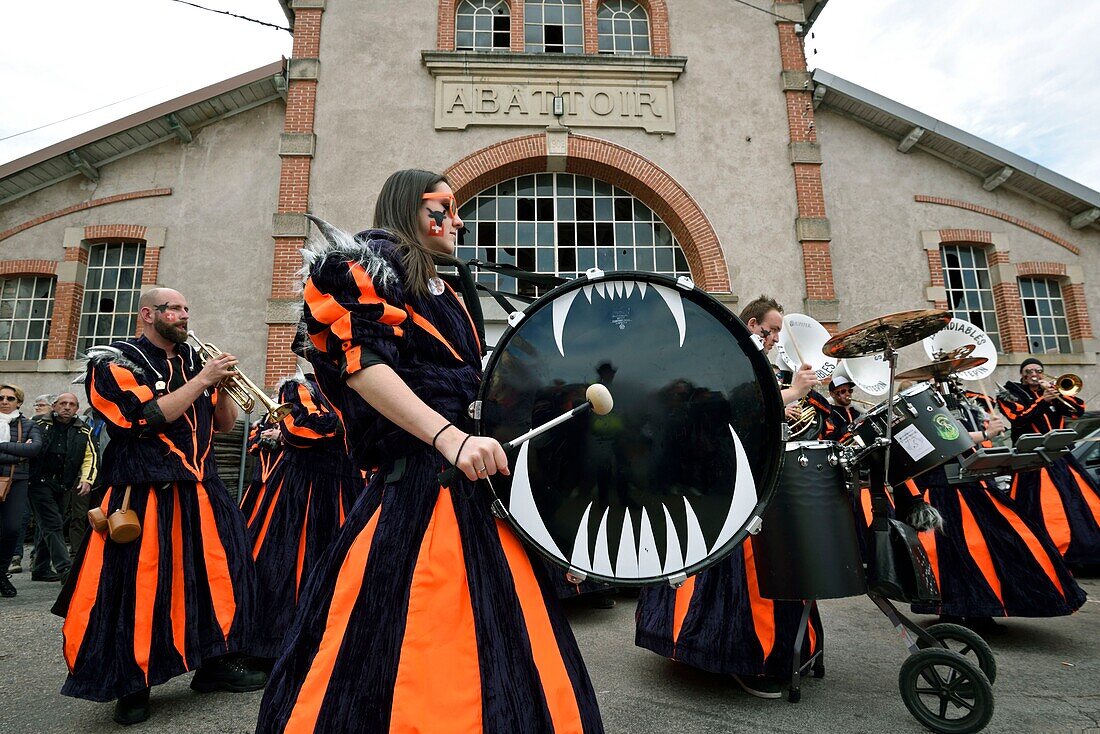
(1031, 452)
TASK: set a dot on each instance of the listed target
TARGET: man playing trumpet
(1061, 497)
(181, 596)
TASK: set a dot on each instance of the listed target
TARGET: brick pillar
(812, 226)
(68, 297)
(296, 148)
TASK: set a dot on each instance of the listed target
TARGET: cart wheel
(946, 692)
(969, 644)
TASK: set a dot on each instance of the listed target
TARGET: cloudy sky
(1020, 73)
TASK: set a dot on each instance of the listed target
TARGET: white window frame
(1044, 312)
(972, 298)
(26, 308)
(102, 318)
(541, 15)
(470, 14)
(623, 28)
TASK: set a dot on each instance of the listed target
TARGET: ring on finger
(481, 470)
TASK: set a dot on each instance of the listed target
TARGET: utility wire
(234, 15)
(762, 10)
(79, 114)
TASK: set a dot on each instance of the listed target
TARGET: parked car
(1087, 450)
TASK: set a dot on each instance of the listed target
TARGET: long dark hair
(398, 211)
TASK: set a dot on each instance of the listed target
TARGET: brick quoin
(817, 261)
(657, 10)
(615, 165)
(1045, 269)
(294, 180)
(90, 204)
(65, 321)
(150, 268)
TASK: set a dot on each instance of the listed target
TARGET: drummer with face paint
(718, 621)
(426, 614)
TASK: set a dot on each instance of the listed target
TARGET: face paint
(435, 226)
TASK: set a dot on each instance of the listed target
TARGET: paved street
(1049, 679)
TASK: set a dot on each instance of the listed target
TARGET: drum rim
(765, 487)
(815, 444)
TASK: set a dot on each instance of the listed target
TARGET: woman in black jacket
(20, 440)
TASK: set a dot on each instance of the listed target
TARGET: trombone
(1067, 385)
(242, 390)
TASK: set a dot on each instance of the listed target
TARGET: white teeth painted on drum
(618, 288)
(601, 288)
(561, 308)
(587, 292)
(580, 558)
(521, 504)
(629, 288)
(744, 495)
(674, 560)
(626, 564)
(676, 305)
(641, 287)
(601, 564)
(649, 563)
(697, 544)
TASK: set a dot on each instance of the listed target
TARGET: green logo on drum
(947, 429)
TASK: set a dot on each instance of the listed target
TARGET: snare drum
(925, 436)
(676, 476)
(808, 547)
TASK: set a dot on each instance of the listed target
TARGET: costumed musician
(1061, 497)
(842, 413)
(181, 596)
(717, 620)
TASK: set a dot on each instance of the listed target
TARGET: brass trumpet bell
(1068, 384)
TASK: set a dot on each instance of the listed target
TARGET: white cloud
(1015, 72)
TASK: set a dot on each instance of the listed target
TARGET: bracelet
(460, 447)
(440, 433)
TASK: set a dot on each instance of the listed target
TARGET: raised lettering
(646, 99)
(459, 100)
(487, 100)
(601, 103)
(516, 102)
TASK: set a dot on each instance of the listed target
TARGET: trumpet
(1067, 386)
(239, 388)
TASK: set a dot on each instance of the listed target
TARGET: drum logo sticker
(621, 318)
(947, 430)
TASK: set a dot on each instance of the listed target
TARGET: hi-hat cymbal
(894, 330)
(940, 370)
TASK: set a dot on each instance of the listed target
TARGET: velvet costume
(306, 497)
(1061, 498)
(427, 614)
(140, 613)
(267, 457)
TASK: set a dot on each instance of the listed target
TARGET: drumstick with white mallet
(597, 398)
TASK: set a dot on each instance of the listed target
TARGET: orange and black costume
(1060, 497)
(989, 559)
(300, 508)
(268, 453)
(140, 613)
(427, 613)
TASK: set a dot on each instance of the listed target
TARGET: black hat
(1029, 360)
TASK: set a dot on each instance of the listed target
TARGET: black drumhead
(666, 483)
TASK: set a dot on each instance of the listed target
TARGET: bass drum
(676, 475)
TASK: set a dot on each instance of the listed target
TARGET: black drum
(926, 434)
(674, 477)
(808, 548)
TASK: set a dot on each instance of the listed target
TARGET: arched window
(482, 25)
(969, 291)
(26, 306)
(623, 28)
(564, 224)
(553, 26)
(1044, 316)
(111, 291)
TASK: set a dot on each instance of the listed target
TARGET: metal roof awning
(993, 164)
(177, 119)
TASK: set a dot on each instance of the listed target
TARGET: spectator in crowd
(20, 439)
(61, 479)
(43, 404)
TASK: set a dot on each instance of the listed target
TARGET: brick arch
(129, 232)
(27, 267)
(657, 10)
(618, 166)
(445, 27)
(1041, 270)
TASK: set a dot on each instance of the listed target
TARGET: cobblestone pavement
(1049, 679)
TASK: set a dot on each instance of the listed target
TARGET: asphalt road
(1048, 681)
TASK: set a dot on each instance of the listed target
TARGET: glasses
(1036, 371)
(8, 399)
(447, 200)
(842, 390)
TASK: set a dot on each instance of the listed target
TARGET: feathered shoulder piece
(373, 250)
(108, 354)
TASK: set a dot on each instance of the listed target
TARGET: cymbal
(940, 370)
(894, 330)
(957, 353)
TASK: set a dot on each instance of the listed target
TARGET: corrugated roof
(171, 120)
(968, 152)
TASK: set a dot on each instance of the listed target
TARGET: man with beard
(61, 478)
(717, 620)
(181, 596)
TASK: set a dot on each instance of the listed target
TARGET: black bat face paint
(435, 227)
(671, 475)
